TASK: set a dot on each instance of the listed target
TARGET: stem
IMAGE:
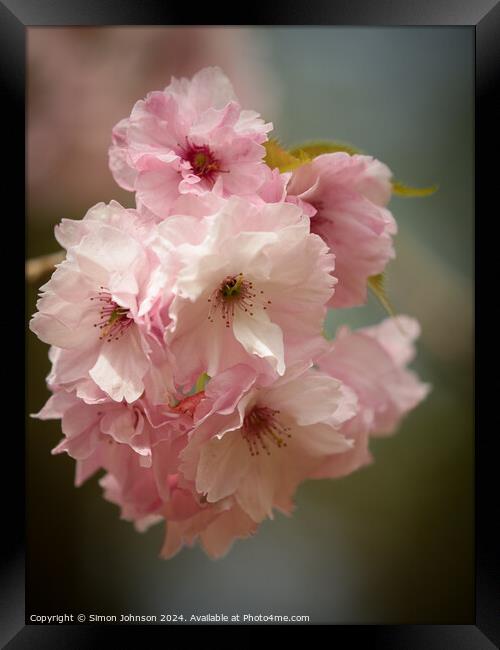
(38, 267)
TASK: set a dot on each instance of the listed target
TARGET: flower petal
(259, 336)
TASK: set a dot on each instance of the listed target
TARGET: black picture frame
(484, 16)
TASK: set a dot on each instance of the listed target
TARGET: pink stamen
(260, 427)
(113, 320)
(234, 292)
(203, 162)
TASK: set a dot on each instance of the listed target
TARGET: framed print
(251, 324)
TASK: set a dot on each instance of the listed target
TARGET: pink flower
(256, 444)
(192, 137)
(349, 194)
(137, 444)
(187, 348)
(372, 362)
(89, 428)
(134, 494)
(68, 121)
(190, 517)
(251, 287)
(101, 306)
(216, 525)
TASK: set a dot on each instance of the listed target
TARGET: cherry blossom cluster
(188, 354)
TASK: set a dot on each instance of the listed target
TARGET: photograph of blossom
(249, 272)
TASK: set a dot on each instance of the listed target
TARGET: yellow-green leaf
(376, 284)
(278, 157)
(316, 148)
(410, 192)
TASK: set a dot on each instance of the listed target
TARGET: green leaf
(411, 192)
(376, 284)
(316, 148)
(201, 382)
(278, 157)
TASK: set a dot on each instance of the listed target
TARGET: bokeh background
(392, 543)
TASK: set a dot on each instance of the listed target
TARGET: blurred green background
(392, 543)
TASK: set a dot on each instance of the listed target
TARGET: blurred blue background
(392, 543)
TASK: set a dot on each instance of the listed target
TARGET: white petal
(223, 462)
(106, 251)
(120, 368)
(259, 336)
(313, 397)
(321, 440)
(255, 494)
